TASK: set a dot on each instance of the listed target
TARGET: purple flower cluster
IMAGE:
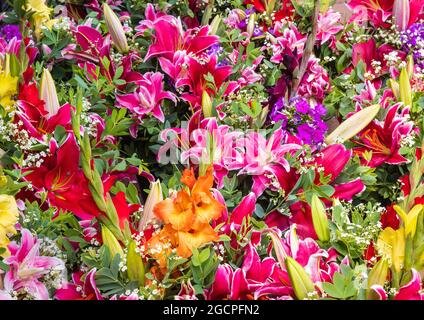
(9, 31)
(301, 119)
(413, 42)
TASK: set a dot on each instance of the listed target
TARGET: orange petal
(189, 240)
(206, 208)
(188, 178)
(203, 183)
(178, 212)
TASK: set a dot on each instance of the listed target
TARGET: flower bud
(48, 93)
(353, 125)
(213, 29)
(395, 88)
(135, 265)
(401, 13)
(206, 104)
(319, 219)
(410, 66)
(405, 91)
(300, 280)
(111, 243)
(155, 196)
(115, 28)
(251, 24)
(278, 247)
(378, 274)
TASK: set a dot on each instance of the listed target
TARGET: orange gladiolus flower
(187, 217)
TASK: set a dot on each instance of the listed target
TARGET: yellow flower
(8, 218)
(40, 15)
(409, 219)
(391, 246)
(8, 88)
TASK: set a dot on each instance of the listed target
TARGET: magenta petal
(411, 290)
(379, 291)
(347, 190)
(244, 209)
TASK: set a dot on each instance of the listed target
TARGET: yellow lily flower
(391, 246)
(409, 219)
(8, 88)
(8, 217)
(40, 15)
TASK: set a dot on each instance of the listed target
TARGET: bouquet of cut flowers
(211, 149)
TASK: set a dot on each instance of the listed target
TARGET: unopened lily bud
(405, 91)
(251, 24)
(213, 29)
(278, 247)
(395, 88)
(410, 66)
(155, 196)
(319, 219)
(270, 5)
(115, 28)
(48, 93)
(353, 125)
(135, 265)
(111, 243)
(206, 104)
(378, 274)
(401, 13)
(302, 284)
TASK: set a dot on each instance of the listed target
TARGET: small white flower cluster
(13, 132)
(55, 277)
(220, 251)
(48, 247)
(408, 140)
(123, 262)
(63, 24)
(390, 36)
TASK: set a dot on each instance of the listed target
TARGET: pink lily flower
(236, 225)
(330, 161)
(264, 159)
(288, 40)
(367, 95)
(368, 52)
(151, 17)
(329, 24)
(316, 82)
(384, 139)
(378, 11)
(410, 291)
(256, 279)
(95, 48)
(193, 141)
(320, 264)
(187, 292)
(81, 288)
(147, 98)
(27, 268)
(170, 37)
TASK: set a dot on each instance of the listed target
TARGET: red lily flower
(35, 119)
(384, 140)
(196, 79)
(124, 209)
(64, 182)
